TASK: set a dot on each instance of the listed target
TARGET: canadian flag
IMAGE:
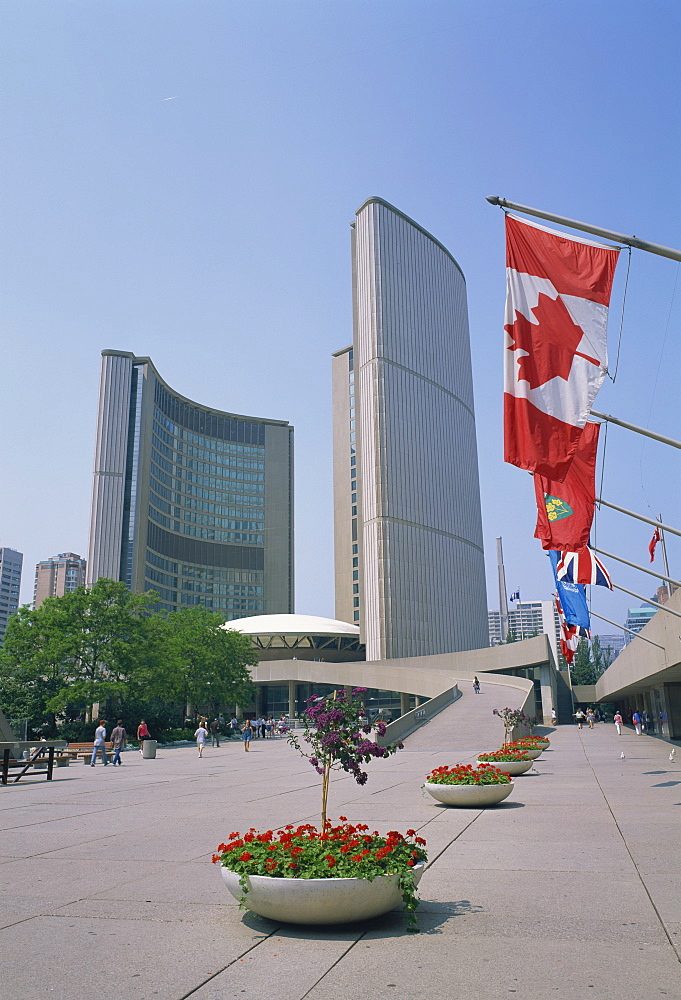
(558, 292)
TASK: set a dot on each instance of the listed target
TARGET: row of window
(230, 589)
(189, 570)
(167, 444)
(219, 483)
(209, 534)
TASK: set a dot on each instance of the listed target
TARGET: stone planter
(319, 900)
(532, 752)
(512, 767)
(470, 796)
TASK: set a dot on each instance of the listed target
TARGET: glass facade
(202, 497)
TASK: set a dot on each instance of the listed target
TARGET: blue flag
(572, 597)
(514, 596)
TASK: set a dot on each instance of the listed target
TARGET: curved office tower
(191, 502)
(408, 534)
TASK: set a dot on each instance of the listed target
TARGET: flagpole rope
(619, 339)
(657, 375)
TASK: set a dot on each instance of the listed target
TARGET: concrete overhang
(425, 676)
(641, 665)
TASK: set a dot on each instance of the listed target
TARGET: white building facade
(408, 533)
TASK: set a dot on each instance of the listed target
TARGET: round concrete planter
(319, 900)
(469, 796)
(532, 752)
(512, 767)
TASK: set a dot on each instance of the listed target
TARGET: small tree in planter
(511, 717)
(338, 742)
(338, 739)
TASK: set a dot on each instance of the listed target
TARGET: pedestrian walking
(268, 728)
(590, 717)
(554, 717)
(118, 739)
(636, 719)
(618, 720)
(100, 743)
(579, 717)
(143, 733)
(201, 734)
(215, 733)
(262, 724)
(246, 734)
(234, 725)
(476, 685)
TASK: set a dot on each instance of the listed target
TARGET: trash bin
(148, 749)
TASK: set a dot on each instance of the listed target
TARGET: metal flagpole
(664, 560)
(625, 629)
(672, 442)
(640, 517)
(647, 600)
(643, 569)
(585, 227)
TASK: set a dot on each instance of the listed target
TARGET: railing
(410, 721)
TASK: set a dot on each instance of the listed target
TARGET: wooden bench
(84, 750)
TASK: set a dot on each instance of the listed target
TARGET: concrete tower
(408, 535)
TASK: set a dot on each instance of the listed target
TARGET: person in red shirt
(142, 733)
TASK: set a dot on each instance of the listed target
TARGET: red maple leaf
(550, 344)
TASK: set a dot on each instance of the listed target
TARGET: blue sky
(211, 231)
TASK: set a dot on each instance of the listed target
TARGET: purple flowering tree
(339, 738)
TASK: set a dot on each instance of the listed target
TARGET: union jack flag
(583, 566)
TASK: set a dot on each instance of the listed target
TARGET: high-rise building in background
(192, 502)
(637, 619)
(57, 576)
(530, 618)
(613, 644)
(11, 562)
(408, 538)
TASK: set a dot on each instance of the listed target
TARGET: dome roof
(291, 625)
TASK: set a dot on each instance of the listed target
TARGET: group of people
(119, 739)
(260, 728)
(588, 716)
(639, 720)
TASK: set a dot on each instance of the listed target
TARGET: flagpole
(607, 234)
(672, 442)
(639, 517)
(643, 569)
(647, 600)
(625, 629)
(664, 560)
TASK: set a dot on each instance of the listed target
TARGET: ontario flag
(565, 511)
(558, 293)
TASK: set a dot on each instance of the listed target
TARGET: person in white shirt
(200, 735)
(100, 743)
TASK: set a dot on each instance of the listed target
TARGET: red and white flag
(558, 292)
(657, 537)
(569, 635)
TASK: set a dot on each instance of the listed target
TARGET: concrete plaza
(569, 889)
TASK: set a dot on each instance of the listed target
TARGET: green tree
(582, 669)
(84, 647)
(201, 662)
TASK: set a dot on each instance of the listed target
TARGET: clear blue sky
(211, 231)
